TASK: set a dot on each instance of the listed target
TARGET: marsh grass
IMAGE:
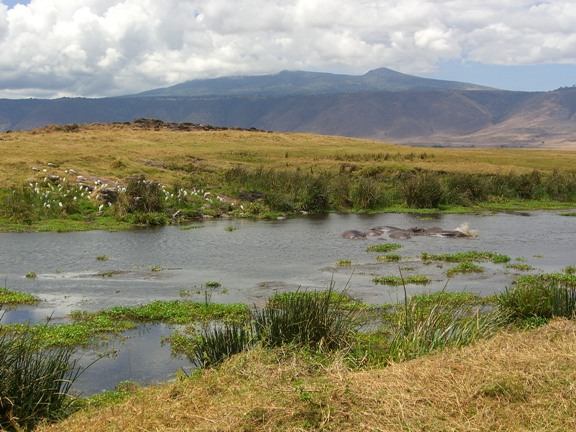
(544, 296)
(218, 342)
(400, 280)
(389, 258)
(427, 323)
(464, 268)
(520, 267)
(34, 383)
(470, 256)
(423, 190)
(250, 164)
(318, 320)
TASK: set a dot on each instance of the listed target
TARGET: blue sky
(95, 48)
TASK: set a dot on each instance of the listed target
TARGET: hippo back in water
(354, 234)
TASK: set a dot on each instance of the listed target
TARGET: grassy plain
(115, 151)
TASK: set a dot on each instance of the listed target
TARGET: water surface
(253, 261)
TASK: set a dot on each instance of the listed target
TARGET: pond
(252, 260)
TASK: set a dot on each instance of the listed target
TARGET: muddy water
(252, 261)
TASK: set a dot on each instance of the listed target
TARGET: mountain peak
(287, 82)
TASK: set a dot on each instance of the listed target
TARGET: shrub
(142, 196)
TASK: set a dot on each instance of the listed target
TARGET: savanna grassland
(152, 173)
(115, 151)
(307, 360)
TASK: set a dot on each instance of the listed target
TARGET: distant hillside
(289, 83)
(381, 104)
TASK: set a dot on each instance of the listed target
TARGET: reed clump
(540, 297)
(429, 322)
(34, 383)
(314, 320)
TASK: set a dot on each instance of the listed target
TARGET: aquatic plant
(218, 342)
(545, 296)
(519, 267)
(398, 281)
(344, 263)
(472, 256)
(34, 383)
(464, 267)
(10, 297)
(383, 247)
(424, 325)
(318, 320)
(102, 258)
(31, 275)
(389, 258)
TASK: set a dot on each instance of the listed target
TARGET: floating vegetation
(110, 273)
(383, 247)
(344, 263)
(470, 256)
(389, 258)
(230, 228)
(213, 284)
(519, 267)
(397, 281)
(464, 267)
(156, 268)
(190, 227)
(16, 298)
(102, 258)
(31, 275)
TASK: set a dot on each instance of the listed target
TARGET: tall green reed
(34, 383)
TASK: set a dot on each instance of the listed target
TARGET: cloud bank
(56, 48)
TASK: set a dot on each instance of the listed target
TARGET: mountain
(382, 105)
(287, 83)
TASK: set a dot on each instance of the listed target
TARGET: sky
(98, 48)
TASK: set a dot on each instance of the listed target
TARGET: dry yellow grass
(513, 382)
(115, 151)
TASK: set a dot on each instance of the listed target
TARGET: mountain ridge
(288, 83)
(406, 110)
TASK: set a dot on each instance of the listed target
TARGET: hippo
(386, 228)
(374, 232)
(354, 234)
(400, 234)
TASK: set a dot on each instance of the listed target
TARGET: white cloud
(107, 47)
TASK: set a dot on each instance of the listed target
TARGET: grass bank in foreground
(516, 381)
(52, 179)
(300, 338)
